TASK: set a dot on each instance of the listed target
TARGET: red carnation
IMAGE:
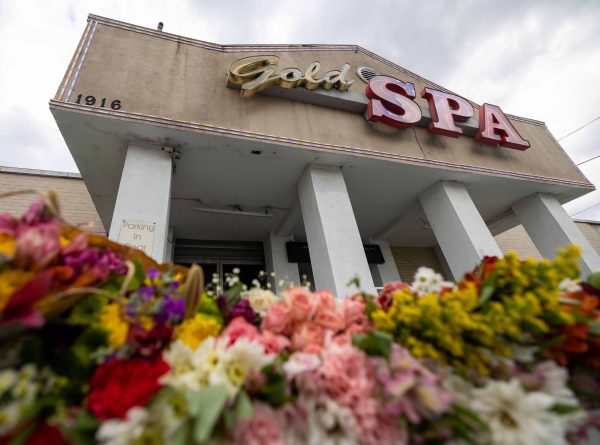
(119, 385)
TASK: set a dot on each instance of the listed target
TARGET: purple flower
(153, 273)
(146, 291)
(243, 309)
(173, 309)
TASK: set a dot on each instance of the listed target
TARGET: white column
(336, 249)
(550, 227)
(145, 195)
(459, 229)
(387, 271)
(276, 261)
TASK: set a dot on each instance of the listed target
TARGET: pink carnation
(344, 376)
(265, 427)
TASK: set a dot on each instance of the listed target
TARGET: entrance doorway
(221, 257)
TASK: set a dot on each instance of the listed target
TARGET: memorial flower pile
(99, 344)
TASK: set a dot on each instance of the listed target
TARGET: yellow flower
(11, 281)
(194, 330)
(114, 323)
(7, 244)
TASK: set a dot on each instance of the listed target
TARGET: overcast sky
(538, 59)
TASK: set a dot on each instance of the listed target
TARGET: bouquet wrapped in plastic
(99, 344)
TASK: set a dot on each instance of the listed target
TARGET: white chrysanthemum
(260, 299)
(214, 362)
(428, 281)
(123, 432)
(236, 361)
(516, 417)
(8, 379)
(9, 416)
(328, 423)
(568, 286)
(182, 374)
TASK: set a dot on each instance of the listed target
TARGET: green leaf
(275, 392)
(560, 408)
(375, 342)
(355, 281)
(83, 430)
(241, 410)
(206, 406)
(138, 276)
(594, 280)
(487, 291)
(22, 436)
(594, 327)
(234, 294)
(181, 435)
(88, 310)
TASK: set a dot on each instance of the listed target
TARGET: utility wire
(575, 131)
(588, 160)
(581, 211)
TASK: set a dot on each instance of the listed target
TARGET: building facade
(324, 160)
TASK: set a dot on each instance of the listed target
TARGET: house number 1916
(91, 101)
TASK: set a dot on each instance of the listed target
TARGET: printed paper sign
(138, 234)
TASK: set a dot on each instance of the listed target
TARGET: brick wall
(75, 202)
(409, 259)
(591, 232)
(518, 240)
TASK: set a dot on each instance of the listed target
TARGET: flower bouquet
(99, 344)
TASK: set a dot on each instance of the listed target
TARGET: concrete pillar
(144, 196)
(459, 229)
(336, 249)
(170, 249)
(387, 271)
(276, 261)
(550, 227)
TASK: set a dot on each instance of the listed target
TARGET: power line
(581, 211)
(588, 160)
(575, 131)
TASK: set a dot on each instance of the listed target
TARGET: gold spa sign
(257, 73)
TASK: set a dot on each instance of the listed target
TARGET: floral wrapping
(99, 344)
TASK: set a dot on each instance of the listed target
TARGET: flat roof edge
(37, 172)
(282, 47)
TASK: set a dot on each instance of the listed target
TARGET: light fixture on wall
(236, 211)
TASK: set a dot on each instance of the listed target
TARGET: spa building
(321, 160)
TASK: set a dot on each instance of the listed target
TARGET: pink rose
(273, 343)
(300, 362)
(239, 327)
(306, 335)
(301, 302)
(325, 299)
(329, 318)
(277, 318)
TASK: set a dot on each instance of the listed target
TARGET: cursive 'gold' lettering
(257, 73)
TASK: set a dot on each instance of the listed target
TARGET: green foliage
(83, 429)
(375, 342)
(242, 409)
(205, 407)
(88, 310)
(275, 391)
